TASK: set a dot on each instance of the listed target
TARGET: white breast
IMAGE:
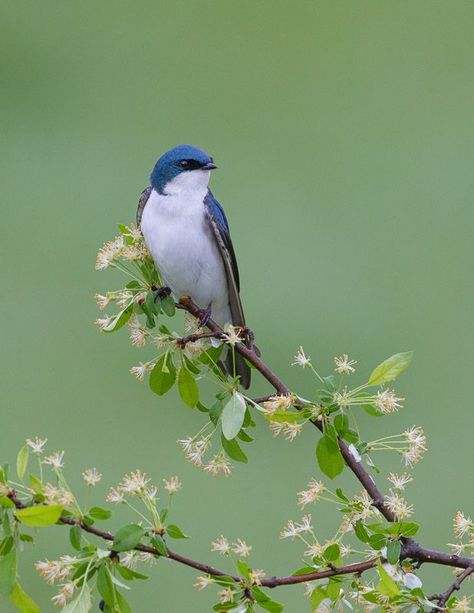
(184, 250)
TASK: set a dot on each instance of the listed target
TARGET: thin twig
(206, 568)
(192, 338)
(443, 598)
(410, 548)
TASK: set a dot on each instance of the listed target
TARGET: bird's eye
(184, 164)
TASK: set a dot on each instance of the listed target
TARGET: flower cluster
(130, 247)
(195, 449)
(133, 484)
(311, 494)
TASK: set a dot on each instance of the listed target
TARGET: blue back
(216, 212)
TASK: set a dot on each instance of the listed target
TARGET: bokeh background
(344, 137)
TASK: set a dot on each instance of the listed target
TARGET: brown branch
(192, 338)
(262, 399)
(410, 548)
(206, 568)
(443, 598)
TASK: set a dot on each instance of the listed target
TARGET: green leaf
(22, 461)
(244, 436)
(23, 602)
(36, 484)
(128, 537)
(6, 502)
(176, 533)
(123, 606)
(100, 513)
(387, 585)
(242, 568)
(191, 366)
(150, 314)
(361, 532)
(304, 570)
(329, 457)
(333, 588)
(6, 545)
(82, 602)
(317, 596)
(368, 408)
(27, 538)
(283, 416)
(128, 574)
(167, 304)
(233, 416)
(265, 602)
(377, 541)
(7, 572)
(233, 450)
(408, 528)
(393, 551)
(390, 368)
(188, 388)
(215, 411)
(159, 544)
(163, 375)
(341, 423)
(340, 494)
(75, 537)
(105, 586)
(332, 552)
(40, 516)
(119, 320)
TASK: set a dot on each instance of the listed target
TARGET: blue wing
(220, 228)
(217, 215)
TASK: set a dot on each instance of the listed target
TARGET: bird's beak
(209, 166)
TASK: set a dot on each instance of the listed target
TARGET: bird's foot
(205, 316)
(249, 337)
(161, 292)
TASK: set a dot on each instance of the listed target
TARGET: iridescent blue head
(189, 163)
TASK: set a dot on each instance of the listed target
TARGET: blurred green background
(344, 137)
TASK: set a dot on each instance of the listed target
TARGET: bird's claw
(250, 339)
(161, 292)
(205, 316)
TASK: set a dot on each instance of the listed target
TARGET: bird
(187, 233)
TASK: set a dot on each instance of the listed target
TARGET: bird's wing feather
(220, 228)
(142, 202)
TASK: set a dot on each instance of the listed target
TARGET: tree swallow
(187, 233)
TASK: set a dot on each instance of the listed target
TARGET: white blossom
(257, 575)
(203, 581)
(387, 401)
(315, 489)
(134, 483)
(173, 485)
(301, 359)
(399, 481)
(221, 545)
(462, 524)
(398, 505)
(115, 495)
(55, 460)
(91, 476)
(344, 365)
(37, 444)
(240, 548)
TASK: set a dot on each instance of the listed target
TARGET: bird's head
(183, 168)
